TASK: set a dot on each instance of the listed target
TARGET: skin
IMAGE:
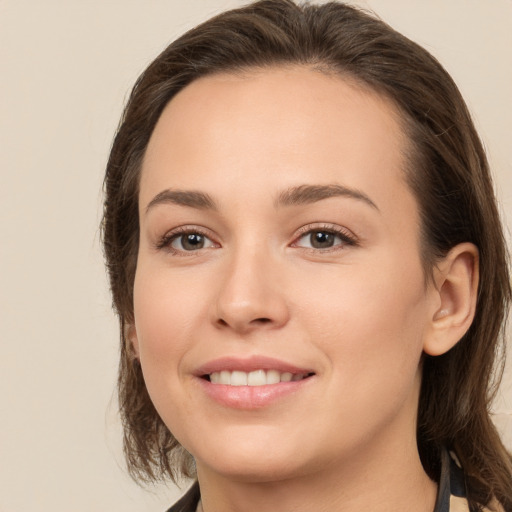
(359, 314)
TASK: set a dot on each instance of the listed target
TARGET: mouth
(254, 382)
(259, 377)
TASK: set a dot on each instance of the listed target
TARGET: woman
(308, 265)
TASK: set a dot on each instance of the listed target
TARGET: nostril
(257, 321)
(262, 320)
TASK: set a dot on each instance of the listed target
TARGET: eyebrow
(190, 198)
(307, 194)
(294, 196)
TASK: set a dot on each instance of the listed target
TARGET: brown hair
(447, 171)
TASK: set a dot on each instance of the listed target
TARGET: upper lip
(249, 364)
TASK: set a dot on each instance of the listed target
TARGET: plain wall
(66, 69)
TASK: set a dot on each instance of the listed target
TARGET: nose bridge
(249, 295)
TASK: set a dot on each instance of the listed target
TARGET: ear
(131, 340)
(455, 291)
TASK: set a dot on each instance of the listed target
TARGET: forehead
(281, 125)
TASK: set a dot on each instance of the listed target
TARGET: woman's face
(278, 237)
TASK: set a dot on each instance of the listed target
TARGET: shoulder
(188, 503)
(457, 484)
(460, 504)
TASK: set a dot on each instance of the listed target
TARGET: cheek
(166, 324)
(369, 320)
(165, 317)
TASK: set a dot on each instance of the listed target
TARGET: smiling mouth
(254, 378)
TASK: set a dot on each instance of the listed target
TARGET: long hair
(447, 171)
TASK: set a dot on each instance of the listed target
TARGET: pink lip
(249, 364)
(250, 397)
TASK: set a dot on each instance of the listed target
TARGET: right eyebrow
(190, 198)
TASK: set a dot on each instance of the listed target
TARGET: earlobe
(132, 341)
(456, 288)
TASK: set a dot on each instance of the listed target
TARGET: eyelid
(347, 236)
(164, 242)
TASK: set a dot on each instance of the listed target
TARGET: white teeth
(239, 379)
(254, 378)
(257, 378)
(273, 377)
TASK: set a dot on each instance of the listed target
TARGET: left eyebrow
(307, 194)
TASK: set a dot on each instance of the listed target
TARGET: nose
(251, 295)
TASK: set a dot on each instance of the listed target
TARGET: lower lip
(251, 397)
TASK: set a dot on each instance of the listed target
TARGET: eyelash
(164, 243)
(346, 237)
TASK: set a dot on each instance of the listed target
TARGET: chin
(253, 470)
(254, 458)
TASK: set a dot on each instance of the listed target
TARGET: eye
(191, 242)
(322, 238)
(185, 240)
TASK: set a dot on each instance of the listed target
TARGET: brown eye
(321, 239)
(325, 239)
(191, 242)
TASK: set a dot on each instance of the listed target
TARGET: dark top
(451, 488)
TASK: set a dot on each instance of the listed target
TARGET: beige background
(66, 68)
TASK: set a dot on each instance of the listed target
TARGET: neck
(385, 477)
